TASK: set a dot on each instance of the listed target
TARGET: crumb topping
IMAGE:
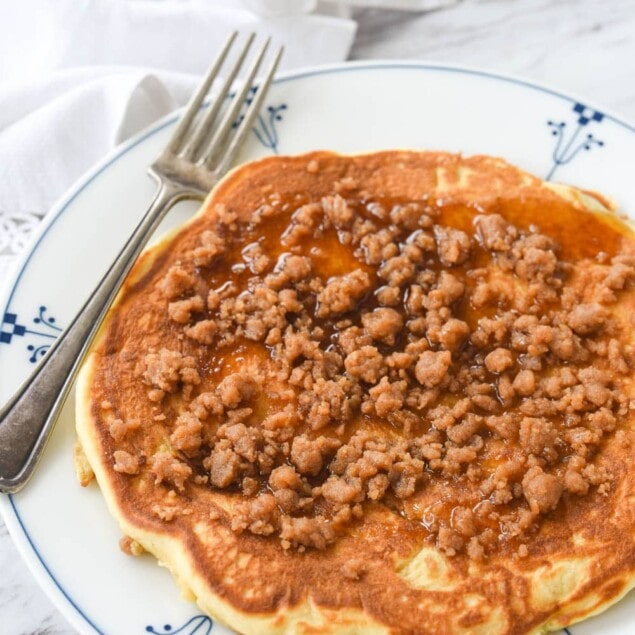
(461, 371)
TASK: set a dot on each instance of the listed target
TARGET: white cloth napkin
(78, 77)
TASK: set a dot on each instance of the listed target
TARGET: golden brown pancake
(388, 393)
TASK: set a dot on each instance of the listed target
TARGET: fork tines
(213, 141)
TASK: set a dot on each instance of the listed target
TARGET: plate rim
(18, 532)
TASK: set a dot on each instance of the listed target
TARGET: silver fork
(196, 157)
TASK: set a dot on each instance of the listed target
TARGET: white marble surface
(581, 46)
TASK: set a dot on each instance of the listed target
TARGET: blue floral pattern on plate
(265, 129)
(569, 144)
(199, 624)
(45, 329)
(203, 625)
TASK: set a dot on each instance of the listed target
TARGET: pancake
(387, 393)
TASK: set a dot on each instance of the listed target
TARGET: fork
(198, 154)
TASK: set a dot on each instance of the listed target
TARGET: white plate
(63, 531)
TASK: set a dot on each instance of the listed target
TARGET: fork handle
(26, 421)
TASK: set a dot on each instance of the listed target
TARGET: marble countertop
(584, 47)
